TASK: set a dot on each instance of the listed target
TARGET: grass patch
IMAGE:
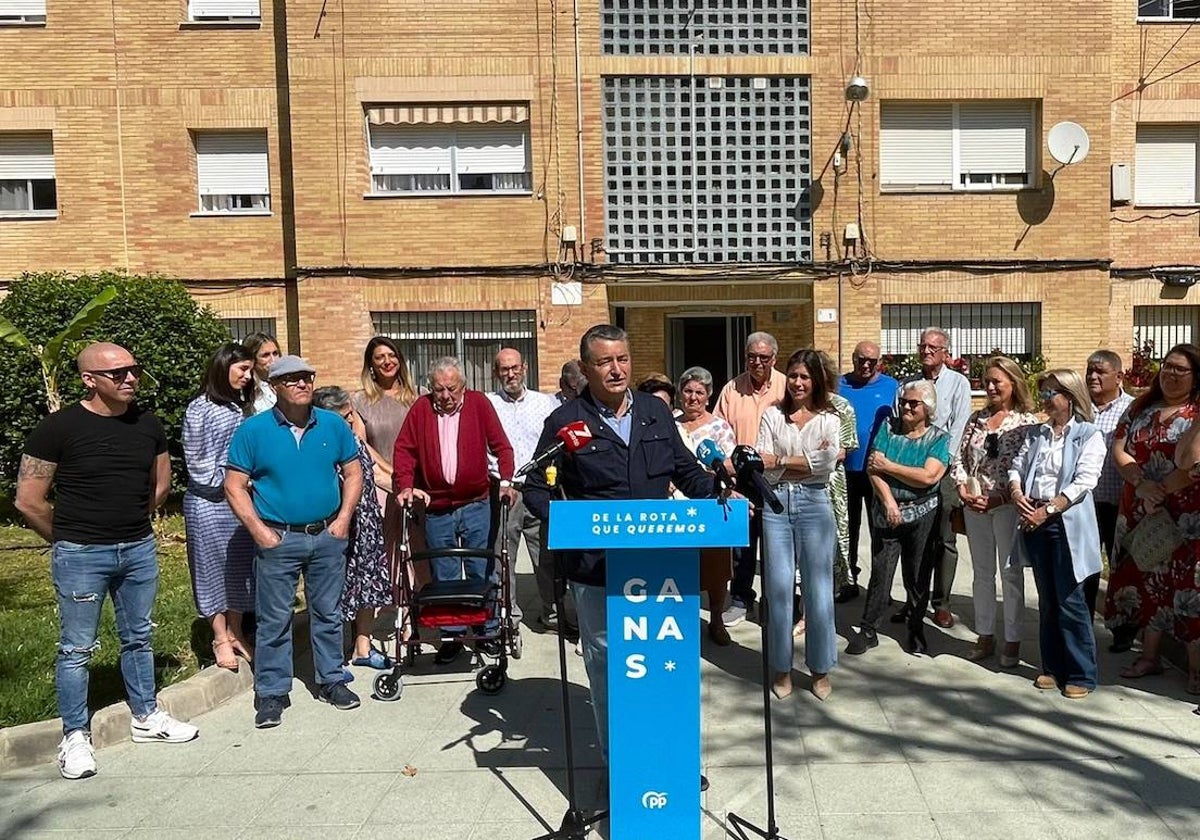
(29, 627)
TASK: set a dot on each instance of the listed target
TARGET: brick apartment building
(488, 172)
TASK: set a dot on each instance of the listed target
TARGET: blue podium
(653, 604)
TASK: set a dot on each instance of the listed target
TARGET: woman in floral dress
(1163, 599)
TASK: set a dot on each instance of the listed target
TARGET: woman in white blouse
(798, 441)
(1051, 482)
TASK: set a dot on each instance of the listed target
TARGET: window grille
(239, 328)
(714, 27)
(1165, 326)
(474, 338)
(975, 329)
(723, 182)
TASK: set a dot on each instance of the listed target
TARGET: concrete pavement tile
(1187, 727)
(1181, 821)
(284, 749)
(538, 797)
(426, 831)
(879, 826)
(960, 786)
(845, 744)
(210, 801)
(97, 803)
(188, 759)
(995, 825)
(495, 830)
(160, 833)
(373, 750)
(431, 797)
(1113, 824)
(726, 746)
(1163, 783)
(866, 789)
(953, 740)
(322, 799)
(1081, 785)
(330, 831)
(717, 827)
(743, 790)
(68, 834)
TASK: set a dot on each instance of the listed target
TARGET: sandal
(1142, 668)
(376, 659)
(228, 662)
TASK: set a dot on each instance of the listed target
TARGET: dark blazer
(606, 468)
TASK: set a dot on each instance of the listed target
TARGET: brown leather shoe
(1045, 682)
(1075, 692)
(943, 618)
(985, 646)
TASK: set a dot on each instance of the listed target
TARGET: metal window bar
(1165, 326)
(716, 27)
(473, 337)
(239, 328)
(976, 329)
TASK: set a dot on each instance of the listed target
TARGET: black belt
(310, 528)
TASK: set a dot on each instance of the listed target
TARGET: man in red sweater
(441, 458)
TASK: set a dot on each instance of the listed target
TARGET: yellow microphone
(551, 475)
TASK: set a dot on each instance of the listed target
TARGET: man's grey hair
(600, 332)
(331, 397)
(936, 331)
(926, 393)
(697, 374)
(762, 338)
(444, 364)
(1106, 357)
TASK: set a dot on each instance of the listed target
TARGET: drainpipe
(582, 237)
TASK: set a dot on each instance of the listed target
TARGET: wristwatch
(1052, 509)
(504, 483)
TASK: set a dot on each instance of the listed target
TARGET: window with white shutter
(978, 145)
(412, 152)
(218, 10)
(1169, 9)
(232, 172)
(27, 181)
(1164, 167)
(22, 11)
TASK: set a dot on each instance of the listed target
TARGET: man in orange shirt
(741, 403)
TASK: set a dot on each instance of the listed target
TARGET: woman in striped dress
(220, 550)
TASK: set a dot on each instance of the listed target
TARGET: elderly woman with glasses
(368, 578)
(907, 460)
(1150, 447)
(1051, 481)
(993, 435)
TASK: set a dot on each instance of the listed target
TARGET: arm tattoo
(36, 468)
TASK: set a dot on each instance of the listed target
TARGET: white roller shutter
(22, 8)
(490, 149)
(916, 144)
(1164, 169)
(232, 164)
(201, 9)
(994, 137)
(403, 150)
(26, 156)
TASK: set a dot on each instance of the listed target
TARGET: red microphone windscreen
(575, 435)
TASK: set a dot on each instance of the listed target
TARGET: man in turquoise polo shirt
(293, 479)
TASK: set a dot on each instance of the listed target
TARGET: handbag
(1152, 541)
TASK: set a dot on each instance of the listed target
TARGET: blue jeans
(82, 574)
(803, 537)
(591, 610)
(322, 560)
(1064, 616)
(467, 526)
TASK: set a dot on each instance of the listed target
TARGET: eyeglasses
(991, 445)
(1048, 394)
(120, 374)
(931, 348)
(866, 360)
(760, 358)
(1175, 370)
(294, 380)
(912, 405)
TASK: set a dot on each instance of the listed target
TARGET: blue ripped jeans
(83, 575)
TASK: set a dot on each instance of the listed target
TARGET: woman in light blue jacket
(1051, 481)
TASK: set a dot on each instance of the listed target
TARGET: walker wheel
(491, 679)
(389, 686)
(517, 644)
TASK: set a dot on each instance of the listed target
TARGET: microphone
(711, 456)
(749, 467)
(571, 437)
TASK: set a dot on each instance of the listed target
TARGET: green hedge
(153, 317)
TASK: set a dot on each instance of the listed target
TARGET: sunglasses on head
(120, 374)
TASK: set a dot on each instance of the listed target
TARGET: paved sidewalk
(932, 747)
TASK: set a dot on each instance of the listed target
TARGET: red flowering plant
(1143, 366)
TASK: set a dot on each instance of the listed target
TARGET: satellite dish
(1068, 143)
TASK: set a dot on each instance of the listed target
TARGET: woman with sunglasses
(906, 463)
(1051, 481)
(798, 440)
(368, 574)
(993, 435)
(220, 550)
(1160, 595)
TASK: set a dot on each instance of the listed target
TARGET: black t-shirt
(102, 484)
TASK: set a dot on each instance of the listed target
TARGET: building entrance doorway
(714, 342)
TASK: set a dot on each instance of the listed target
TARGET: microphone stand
(574, 826)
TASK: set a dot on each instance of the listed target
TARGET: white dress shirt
(522, 420)
(1050, 463)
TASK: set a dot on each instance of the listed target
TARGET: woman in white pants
(980, 470)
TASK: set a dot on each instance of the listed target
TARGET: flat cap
(286, 365)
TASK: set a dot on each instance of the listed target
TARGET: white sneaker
(161, 727)
(76, 758)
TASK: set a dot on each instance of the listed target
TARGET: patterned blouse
(987, 454)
